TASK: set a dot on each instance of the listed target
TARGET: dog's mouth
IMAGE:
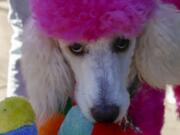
(127, 123)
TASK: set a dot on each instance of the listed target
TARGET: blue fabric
(75, 124)
(26, 130)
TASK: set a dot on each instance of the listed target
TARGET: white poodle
(98, 72)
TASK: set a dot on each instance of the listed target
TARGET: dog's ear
(157, 56)
(48, 77)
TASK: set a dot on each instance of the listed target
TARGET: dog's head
(100, 71)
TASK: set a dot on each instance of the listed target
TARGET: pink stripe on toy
(75, 20)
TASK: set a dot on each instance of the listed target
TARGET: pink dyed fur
(75, 20)
(147, 110)
(175, 2)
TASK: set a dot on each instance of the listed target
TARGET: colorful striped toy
(146, 112)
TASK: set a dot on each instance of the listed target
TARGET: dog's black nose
(107, 113)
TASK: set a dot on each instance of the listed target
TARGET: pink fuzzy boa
(76, 20)
(177, 96)
(147, 110)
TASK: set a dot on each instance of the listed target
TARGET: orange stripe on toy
(52, 125)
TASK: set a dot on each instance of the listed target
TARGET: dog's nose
(107, 113)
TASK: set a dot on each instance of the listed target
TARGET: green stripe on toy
(68, 106)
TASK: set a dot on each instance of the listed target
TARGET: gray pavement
(171, 126)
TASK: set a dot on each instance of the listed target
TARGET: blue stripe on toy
(75, 124)
(25, 130)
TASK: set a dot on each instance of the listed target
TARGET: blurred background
(172, 123)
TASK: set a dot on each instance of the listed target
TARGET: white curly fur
(49, 78)
(158, 49)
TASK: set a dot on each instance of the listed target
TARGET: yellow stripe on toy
(15, 112)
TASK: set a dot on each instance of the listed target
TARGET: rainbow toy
(146, 114)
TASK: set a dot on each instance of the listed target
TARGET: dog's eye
(77, 49)
(120, 44)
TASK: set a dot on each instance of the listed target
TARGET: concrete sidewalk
(171, 126)
(5, 34)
